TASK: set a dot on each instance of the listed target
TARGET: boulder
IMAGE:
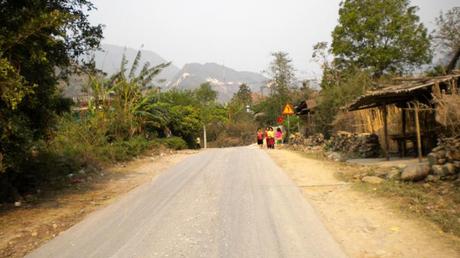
(415, 173)
(432, 178)
(394, 173)
(441, 154)
(382, 172)
(448, 169)
(432, 159)
(436, 149)
(372, 180)
(456, 165)
(455, 154)
(402, 167)
(437, 170)
(442, 161)
(336, 156)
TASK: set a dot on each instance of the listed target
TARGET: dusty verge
(24, 229)
(365, 226)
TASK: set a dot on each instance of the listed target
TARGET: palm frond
(135, 64)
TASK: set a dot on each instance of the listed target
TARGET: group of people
(270, 136)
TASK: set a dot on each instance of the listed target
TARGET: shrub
(175, 143)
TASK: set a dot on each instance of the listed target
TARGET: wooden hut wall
(372, 121)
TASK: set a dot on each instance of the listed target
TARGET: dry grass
(438, 202)
(447, 112)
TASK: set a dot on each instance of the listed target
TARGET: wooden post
(385, 130)
(205, 140)
(288, 130)
(453, 84)
(298, 125)
(419, 138)
(403, 132)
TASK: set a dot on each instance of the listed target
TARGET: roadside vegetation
(44, 137)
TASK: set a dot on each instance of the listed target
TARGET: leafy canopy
(282, 81)
(37, 38)
(384, 36)
(447, 35)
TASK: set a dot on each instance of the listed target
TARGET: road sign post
(288, 110)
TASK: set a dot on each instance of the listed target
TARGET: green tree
(282, 74)
(306, 91)
(37, 38)
(384, 36)
(243, 95)
(205, 94)
(238, 106)
(282, 79)
(129, 93)
(352, 84)
(447, 35)
(209, 110)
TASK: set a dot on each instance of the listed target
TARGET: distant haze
(239, 33)
(224, 80)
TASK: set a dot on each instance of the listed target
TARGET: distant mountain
(109, 59)
(224, 80)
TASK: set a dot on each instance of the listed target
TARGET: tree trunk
(452, 64)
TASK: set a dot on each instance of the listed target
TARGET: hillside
(109, 59)
(224, 80)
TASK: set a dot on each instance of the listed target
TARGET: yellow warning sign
(288, 110)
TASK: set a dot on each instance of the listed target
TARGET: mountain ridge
(224, 80)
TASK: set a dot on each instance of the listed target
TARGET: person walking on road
(271, 138)
(279, 136)
(260, 138)
(266, 137)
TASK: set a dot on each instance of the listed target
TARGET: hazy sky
(238, 33)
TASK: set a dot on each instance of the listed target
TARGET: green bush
(175, 143)
(124, 150)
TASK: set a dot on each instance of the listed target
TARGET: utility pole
(205, 143)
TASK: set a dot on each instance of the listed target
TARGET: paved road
(231, 202)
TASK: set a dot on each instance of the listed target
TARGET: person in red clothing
(270, 138)
(260, 138)
(266, 137)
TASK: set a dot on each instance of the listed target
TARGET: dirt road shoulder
(365, 226)
(25, 228)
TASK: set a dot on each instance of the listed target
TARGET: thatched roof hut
(408, 95)
(410, 90)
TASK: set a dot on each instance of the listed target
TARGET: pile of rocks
(444, 160)
(363, 145)
(297, 139)
(315, 140)
(312, 140)
(312, 143)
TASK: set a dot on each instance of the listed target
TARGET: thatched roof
(305, 107)
(411, 89)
